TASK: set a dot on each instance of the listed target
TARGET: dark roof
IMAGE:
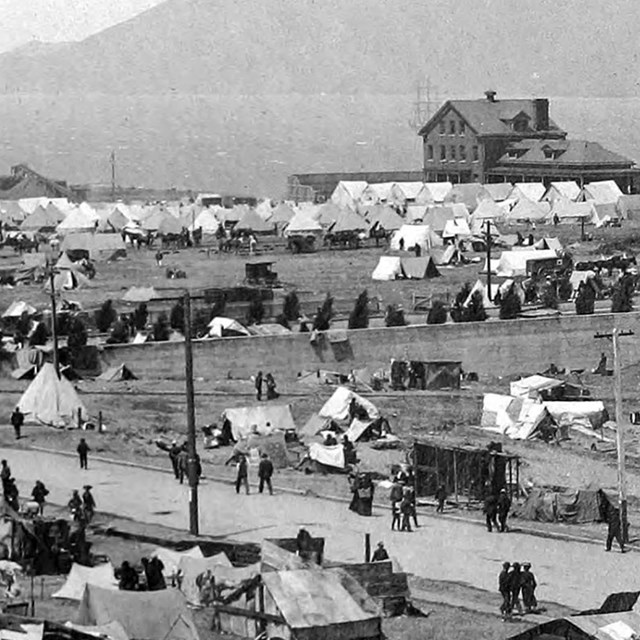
(488, 118)
(574, 152)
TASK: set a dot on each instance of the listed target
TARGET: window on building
(520, 125)
(463, 153)
(442, 127)
(476, 154)
(452, 153)
(443, 152)
(452, 127)
(462, 129)
(429, 152)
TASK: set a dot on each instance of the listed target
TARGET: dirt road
(573, 574)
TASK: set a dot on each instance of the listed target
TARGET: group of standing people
(265, 472)
(515, 581)
(82, 507)
(496, 510)
(129, 577)
(269, 382)
(179, 457)
(403, 500)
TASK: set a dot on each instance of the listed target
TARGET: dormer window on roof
(550, 153)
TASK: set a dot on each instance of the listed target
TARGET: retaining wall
(490, 348)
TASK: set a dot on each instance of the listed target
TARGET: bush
(359, 317)
(281, 319)
(161, 330)
(255, 312)
(585, 299)
(438, 313)
(200, 322)
(23, 326)
(322, 321)
(549, 297)
(176, 318)
(510, 305)
(474, 311)
(77, 334)
(622, 298)
(457, 308)
(291, 306)
(140, 316)
(119, 333)
(39, 336)
(394, 317)
(565, 289)
(105, 316)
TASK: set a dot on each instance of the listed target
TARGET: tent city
(394, 398)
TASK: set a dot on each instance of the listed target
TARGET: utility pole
(488, 244)
(54, 322)
(614, 336)
(113, 176)
(191, 420)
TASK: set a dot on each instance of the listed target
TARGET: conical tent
(282, 213)
(251, 221)
(50, 400)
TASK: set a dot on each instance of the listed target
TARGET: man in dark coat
(503, 505)
(83, 453)
(88, 503)
(265, 471)
(39, 494)
(515, 585)
(380, 554)
(17, 420)
(504, 587)
(491, 511)
(174, 452)
(258, 384)
(183, 464)
(242, 470)
(5, 474)
(528, 581)
(441, 496)
(614, 529)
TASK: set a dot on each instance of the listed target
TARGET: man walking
(614, 529)
(504, 505)
(83, 452)
(515, 585)
(491, 511)
(5, 474)
(528, 581)
(183, 463)
(39, 494)
(265, 471)
(88, 503)
(174, 452)
(17, 420)
(258, 384)
(242, 470)
(441, 496)
(505, 591)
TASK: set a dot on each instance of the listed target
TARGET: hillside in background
(577, 47)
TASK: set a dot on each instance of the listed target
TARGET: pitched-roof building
(491, 140)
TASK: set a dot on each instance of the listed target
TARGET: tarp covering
(243, 419)
(144, 615)
(572, 506)
(117, 373)
(17, 308)
(275, 558)
(171, 559)
(322, 603)
(219, 326)
(588, 414)
(415, 234)
(533, 385)
(99, 246)
(518, 418)
(51, 400)
(330, 456)
(195, 572)
(140, 294)
(80, 576)
(512, 264)
(273, 445)
(337, 406)
(388, 268)
(419, 268)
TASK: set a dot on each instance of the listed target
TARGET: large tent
(388, 268)
(348, 193)
(40, 220)
(79, 220)
(207, 221)
(437, 191)
(282, 214)
(567, 190)
(403, 193)
(377, 192)
(519, 418)
(512, 264)
(421, 235)
(17, 308)
(394, 268)
(79, 576)
(303, 224)
(385, 217)
(349, 221)
(261, 420)
(169, 225)
(251, 221)
(97, 246)
(469, 193)
(602, 192)
(329, 213)
(220, 327)
(51, 400)
(527, 210)
(192, 571)
(568, 212)
(533, 191)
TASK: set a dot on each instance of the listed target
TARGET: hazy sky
(62, 20)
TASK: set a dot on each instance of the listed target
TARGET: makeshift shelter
(67, 280)
(195, 574)
(331, 456)
(457, 229)
(377, 192)
(144, 615)
(437, 217)
(251, 221)
(79, 220)
(51, 400)
(169, 225)
(96, 246)
(329, 213)
(385, 218)
(567, 190)
(512, 264)
(320, 603)
(140, 294)
(448, 255)
(259, 420)
(117, 374)
(462, 470)
(338, 406)
(532, 191)
(545, 388)
(519, 418)
(388, 268)
(273, 444)
(40, 220)
(350, 221)
(220, 327)
(413, 235)
(17, 308)
(549, 243)
(348, 193)
(282, 214)
(436, 191)
(100, 576)
(207, 221)
(117, 219)
(419, 268)
(527, 210)
(585, 416)
(571, 506)
(302, 224)
(629, 207)
(567, 212)
(171, 559)
(602, 192)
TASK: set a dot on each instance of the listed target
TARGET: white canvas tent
(50, 400)
(457, 228)
(602, 192)
(219, 326)
(376, 192)
(512, 264)
(517, 418)
(567, 212)
(329, 456)
(437, 191)
(171, 559)
(337, 406)
(568, 190)
(415, 235)
(17, 308)
(261, 420)
(532, 386)
(581, 415)
(533, 191)
(527, 210)
(348, 193)
(79, 576)
(388, 268)
(410, 193)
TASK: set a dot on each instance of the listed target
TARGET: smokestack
(490, 95)
(542, 114)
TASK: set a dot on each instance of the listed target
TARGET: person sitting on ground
(380, 554)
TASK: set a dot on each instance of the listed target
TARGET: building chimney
(542, 114)
(491, 95)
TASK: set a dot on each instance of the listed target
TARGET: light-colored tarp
(603, 192)
(219, 325)
(415, 234)
(140, 294)
(457, 228)
(330, 456)
(195, 573)
(586, 414)
(512, 264)
(17, 308)
(144, 615)
(50, 400)
(275, 558)
(171, 558)
(388, 268)
(337, 406)
(265, 418)
(80, 576)
(531, 386)
(516, 418)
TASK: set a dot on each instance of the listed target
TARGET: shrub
(77, 334)
(510, 305)
(549, 297)
(105, 316)
(200, 322)
(291, 306)
(359, 317)
(322, 321)
(140, 316)
(39, 336)
(255, 312)
(585, 299)
(161, 330)
(119, 333)
(176, 317)
(474, 311)
(457, 308)
(622, 298)
(438, 313)
(394, 317)
(565, 289)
